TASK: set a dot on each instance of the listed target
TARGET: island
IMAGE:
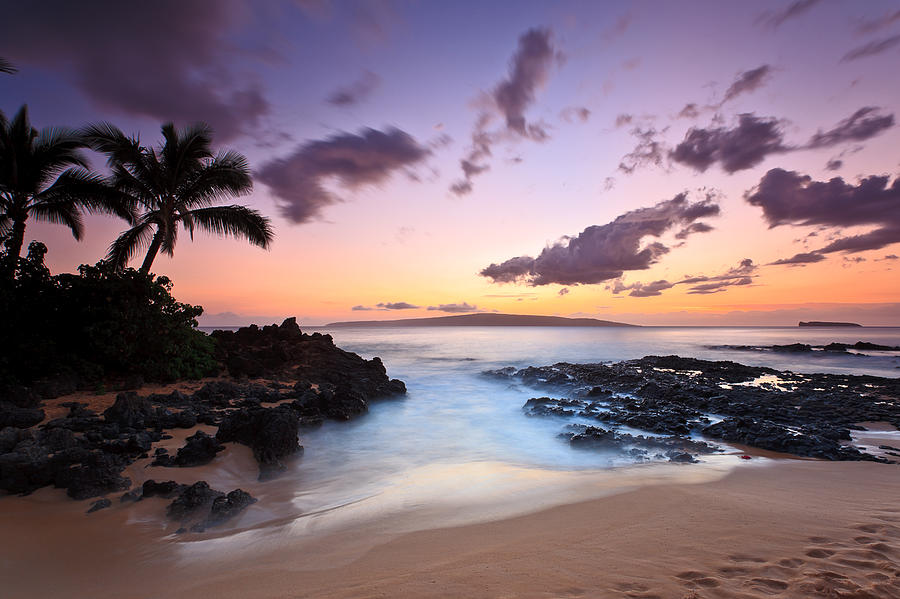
(821, 323)
(485, 320)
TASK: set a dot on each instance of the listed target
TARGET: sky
(667, 163)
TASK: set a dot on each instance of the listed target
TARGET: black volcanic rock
(809, 415)
(200, 507)
(272, 434)
(199, 449)
(14, 416)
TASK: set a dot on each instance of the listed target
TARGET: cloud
(455, 308)
(834, 164)
(572, 114)
(624, 119)
(643, 289)
(742, 274)
(354, 160)
(880, 23)
(860, 126)
(755, 138)
(692, 228)
(888, 257)
(789, 198)
(604, 252)
(618, 28)
(361, 308)
(355, 92)
(872, 48)
(777, 18)
(690, 111)
(800, 259)
(396, 306)
(166, 60)
(739, 148)
(747, 82)
(563, 291)
(648, 151)
(529, 70)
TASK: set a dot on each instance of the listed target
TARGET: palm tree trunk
(13, 249)
(152, 251)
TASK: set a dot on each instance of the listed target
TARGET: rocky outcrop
(808, 415)
(198, 506)
(272, 434)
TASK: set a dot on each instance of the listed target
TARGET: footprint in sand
(791, 562)
(768, 584)
(819, 553)
(698, 578)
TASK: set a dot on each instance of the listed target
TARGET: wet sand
(792, 528)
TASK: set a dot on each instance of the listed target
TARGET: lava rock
(100, 504)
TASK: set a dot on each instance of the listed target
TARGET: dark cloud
(528, 72)
(798, 259)
(167, 60)
(355, 92)
(777, 18)
(643, 289)
(604, 252)
(692, 228)
(888, 257)
(834, 164)
(747, 81)
(863, 124)
(648, 151)
(735, 149)
(873, 240)
(880, 23)
(624, 119)
(354, 160)
(563, 291)
(718, 287)
(789, 198)
(742, 274)
(361, 308)
(872, 48)
(455, 308)
(396, 306)
(574, 114)
(690, 111)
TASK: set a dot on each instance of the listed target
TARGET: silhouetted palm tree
(6, 66)
(177, 183)
(43, 175)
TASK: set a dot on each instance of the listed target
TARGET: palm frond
(130, 243)
(237, 221)
(88, 191)
(108, 139)
(60, 213)
(225, 176)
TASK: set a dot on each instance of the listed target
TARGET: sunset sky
(650, 162)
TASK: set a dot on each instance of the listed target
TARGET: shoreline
(790, 526)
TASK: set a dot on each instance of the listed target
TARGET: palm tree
(44, 175)
(178, 182)
(6, 66)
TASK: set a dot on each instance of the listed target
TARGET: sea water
(459, 437)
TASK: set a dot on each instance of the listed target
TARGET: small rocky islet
(86, 453)
(682, 403)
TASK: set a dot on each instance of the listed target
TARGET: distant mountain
(820, 323)
(485, 320)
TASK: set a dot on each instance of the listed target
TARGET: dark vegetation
(69, 331)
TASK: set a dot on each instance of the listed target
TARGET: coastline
(798, 527)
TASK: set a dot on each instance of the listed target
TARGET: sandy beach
(789, 528)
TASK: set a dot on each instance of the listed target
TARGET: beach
(789, 528)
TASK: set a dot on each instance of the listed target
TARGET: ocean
(460, 438)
